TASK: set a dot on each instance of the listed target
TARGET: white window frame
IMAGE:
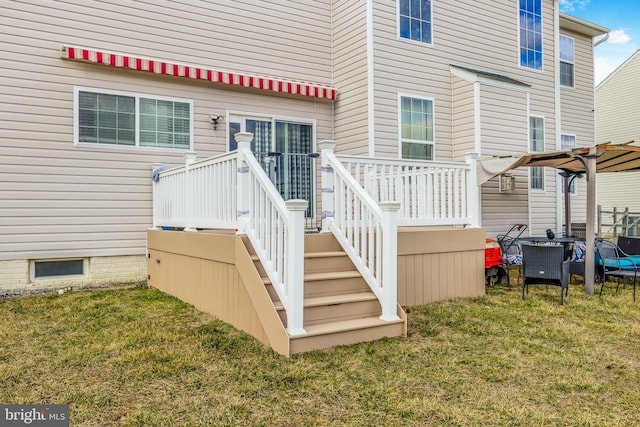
(34, 279)
(573, 63)
(137, 96)
(542, 47)
(404, 39)
(400, 140)
(572, 191)
(544, 172)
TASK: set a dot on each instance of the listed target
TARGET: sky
(622, 17)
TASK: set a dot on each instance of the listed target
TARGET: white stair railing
(366, 231)
(275, 228)
(232, 191)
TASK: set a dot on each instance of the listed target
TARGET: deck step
(344, 332)
(334, 308)
(333, 299)
(333, 275)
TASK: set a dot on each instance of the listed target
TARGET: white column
(589, 258)
(389, 260)
(295, 266)
(243, 183)
(189, 159)
(474, 197)
(327, 186)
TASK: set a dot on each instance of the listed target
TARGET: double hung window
(536, 145)
(567, 143)
(122, 119)
(566, 61)
(416, 128)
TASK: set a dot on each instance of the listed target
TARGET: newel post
(294, 260)
(474, 206)
(243, 183)
(389, 260)
(189, 159)
(327, 148)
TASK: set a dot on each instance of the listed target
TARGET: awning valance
(175, 69)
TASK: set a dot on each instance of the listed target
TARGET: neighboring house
(617, 122)
(424, 80)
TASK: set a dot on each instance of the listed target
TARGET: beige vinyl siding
(503, 122)
(407, 67)
(577, 115)
(295, 43)
(61, 200)
(350, 76)
(617, 121)
(425, 71)
(463, 118)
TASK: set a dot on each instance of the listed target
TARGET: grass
(137, 357)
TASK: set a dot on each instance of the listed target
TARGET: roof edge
(581, 26)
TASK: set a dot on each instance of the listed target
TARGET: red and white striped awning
(156, 66)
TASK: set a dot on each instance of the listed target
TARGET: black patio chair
(545, 265)
(614, 262)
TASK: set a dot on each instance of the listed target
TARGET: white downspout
(370, 86)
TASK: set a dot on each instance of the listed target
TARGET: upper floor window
(416, 128)
(536, 144)
(530, 18)
(566, 61)
(116, 118)
(415, 20)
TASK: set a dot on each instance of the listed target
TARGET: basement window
(56, 269)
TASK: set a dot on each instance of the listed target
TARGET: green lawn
(139, 357)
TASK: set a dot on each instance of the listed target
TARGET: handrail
(368, 234)
(275, 228)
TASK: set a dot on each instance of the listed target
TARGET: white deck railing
(366, 230)
(433, 193)
(199, 194)
(232, 191)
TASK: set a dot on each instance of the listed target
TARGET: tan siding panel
(617, 122)
(350, 76)
(48, 184)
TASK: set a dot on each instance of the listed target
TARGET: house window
(282, 148)
(567, 142)
(415, 20)
(566, 61)
(122, 119)
(536, 145)
(56, 269)
(530, 24)
(416, 128)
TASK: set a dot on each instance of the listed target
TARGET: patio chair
(511, 256)
(614, 262)
(545, 265)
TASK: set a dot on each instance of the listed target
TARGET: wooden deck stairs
(339, 306)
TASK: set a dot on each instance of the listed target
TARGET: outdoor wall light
(215, 119)
(507, 183)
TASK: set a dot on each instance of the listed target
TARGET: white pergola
(602, 158)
